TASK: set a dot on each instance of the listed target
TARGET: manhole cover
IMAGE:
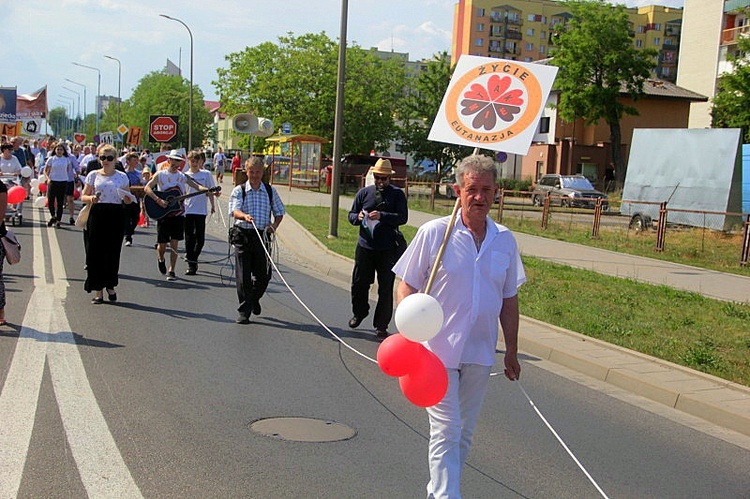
(303, 429)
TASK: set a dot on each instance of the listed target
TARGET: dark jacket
(391, 203)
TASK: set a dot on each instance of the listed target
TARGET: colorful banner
(32, 106)
(8, 105)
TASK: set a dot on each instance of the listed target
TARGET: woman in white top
(58, 170)
(9, 164)
(105, 189)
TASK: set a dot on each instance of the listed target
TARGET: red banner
(34, 105)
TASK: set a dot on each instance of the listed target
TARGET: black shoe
(97, 300)
(191, 271)
(57, 225)
(381, 334)
(355, 321)
(171, 276)
(112, 296)
(128, 241)
(72, 221)
(162, 266)
(242, 319)
(51, 222)
(256, 308)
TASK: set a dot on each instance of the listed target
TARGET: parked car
(569, 190)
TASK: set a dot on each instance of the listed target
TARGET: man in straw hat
(476, 283)
(378, 210)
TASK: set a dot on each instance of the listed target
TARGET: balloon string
(312, 314)
(559, 439)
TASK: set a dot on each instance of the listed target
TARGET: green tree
(418, 110)
(597, 60)
(159, 93)
(731, 104)
(60, 122)
(294, 81)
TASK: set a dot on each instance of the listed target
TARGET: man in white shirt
(476, 284)
(196, 210)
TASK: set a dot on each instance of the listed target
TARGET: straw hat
(382, 167)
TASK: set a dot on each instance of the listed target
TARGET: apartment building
(521, 30)
(712, 29)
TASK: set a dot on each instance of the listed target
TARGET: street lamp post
(98, 90)
(69, 103)
(338, 124)
(84, 101)
(78, 110)
(190, 110)
(119, 83)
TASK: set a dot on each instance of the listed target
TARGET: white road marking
(46, 334)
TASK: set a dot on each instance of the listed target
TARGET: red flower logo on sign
(494, 101)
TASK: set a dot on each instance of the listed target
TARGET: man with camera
(257, 211)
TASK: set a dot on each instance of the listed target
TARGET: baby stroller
(13, 212)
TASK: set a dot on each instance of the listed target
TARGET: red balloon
(42, 187)
(426, 386)
(76, 194)
(16, 194)
(398, 356)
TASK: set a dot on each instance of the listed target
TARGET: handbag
(12, 248)
(238, 236)
(401, 244)
(83, 215)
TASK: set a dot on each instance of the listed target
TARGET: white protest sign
(493, 104)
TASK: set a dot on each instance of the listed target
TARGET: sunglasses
(107, 158)
(380, 177)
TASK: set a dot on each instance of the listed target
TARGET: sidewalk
(708, 397)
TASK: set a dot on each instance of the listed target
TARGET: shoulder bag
(12, 248)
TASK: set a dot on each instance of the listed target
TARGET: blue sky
(57, 33)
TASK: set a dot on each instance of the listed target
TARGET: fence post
(661, 230)
(500, 206)
(745, 242)
(545, 211)
(597, 218)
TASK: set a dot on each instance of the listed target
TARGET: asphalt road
(155, 396)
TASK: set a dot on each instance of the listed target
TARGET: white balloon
(34, 182)
(42, 178)
(419, 317)
(26, 171)
(40, 202)
(34, 190)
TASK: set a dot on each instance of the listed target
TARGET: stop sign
(162, 128)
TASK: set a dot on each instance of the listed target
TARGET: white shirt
(109, 187)
(11, 165)
(198, 205)
(469, 284)
(59, 168)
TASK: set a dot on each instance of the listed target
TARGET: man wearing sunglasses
(378, 210)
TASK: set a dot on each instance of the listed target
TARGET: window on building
(657, 26)
(479, 42)
(530, 32)
(541, 49)
(480, 26)
(657, 41)
(528, 59)
(641, 29)
(544, 124)
(531, 18)
(480, 13)
(543, 35)
(529, 46)
(639, 44)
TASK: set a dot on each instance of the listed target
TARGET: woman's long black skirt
(106, 229)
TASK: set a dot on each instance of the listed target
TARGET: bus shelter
(295, 160)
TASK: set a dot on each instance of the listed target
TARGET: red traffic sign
(162, 128)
